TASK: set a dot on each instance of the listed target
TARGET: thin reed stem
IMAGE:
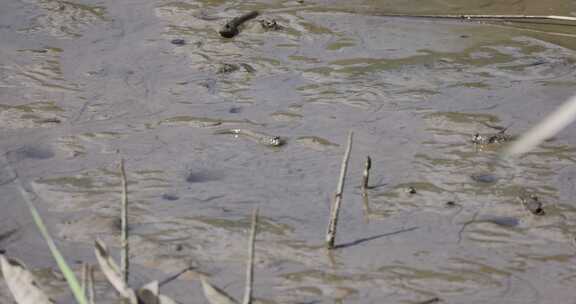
(366, 207)
(333, 223)
(250, 264)
(496, 17)
(90, 284)
(502, 17)
(124, 260)
(366, 175)
(60, 261)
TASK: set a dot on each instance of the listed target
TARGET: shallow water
(85, 84)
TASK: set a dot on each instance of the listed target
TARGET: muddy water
(83, 84)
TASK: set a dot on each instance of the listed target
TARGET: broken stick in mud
(231, 28)
(250, 267)
(366, 175)
(124, 260)
(331, 234)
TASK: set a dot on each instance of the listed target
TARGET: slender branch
(371, 11)
(124, 260)
(471, 17)
(331, 234)
(250, 266)
(504, 17)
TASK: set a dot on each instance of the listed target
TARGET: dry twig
(124, 260)
(495, 17)
(250, 263)
(366, 175)
(331, 234)
(90, 284)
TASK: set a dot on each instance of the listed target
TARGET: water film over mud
(83, 84)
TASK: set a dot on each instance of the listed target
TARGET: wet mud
(83, 84)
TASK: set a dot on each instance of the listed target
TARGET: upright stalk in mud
(366, 207)
(124, 260)
(366, 175)
(331, 234)
(250, 263)
(90, 286)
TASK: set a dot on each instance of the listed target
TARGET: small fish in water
(270, 24)
(316, 143)
(199, 122)
(410, 190)
(450, 204)
(178, 42)
(532, 203)
(170, 197)
(484, 178)
(261, 138)
(488, 139)
(227, 68)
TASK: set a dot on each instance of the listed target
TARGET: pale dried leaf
(148, 294)
(215, 295)
(112, 272)
(22, 283)
(162, 299)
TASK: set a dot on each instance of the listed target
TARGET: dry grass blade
(90, 284)
(62, 265)
(124, 262)
(250, 267)
(371, 11)
(215, 295)
(495, 17)
(112, 273)
(162, 299)
(507, 17)
(332, 225)
(60, 261)
(22, 283)
(552, 124)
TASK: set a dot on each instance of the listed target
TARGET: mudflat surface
(84, 84)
